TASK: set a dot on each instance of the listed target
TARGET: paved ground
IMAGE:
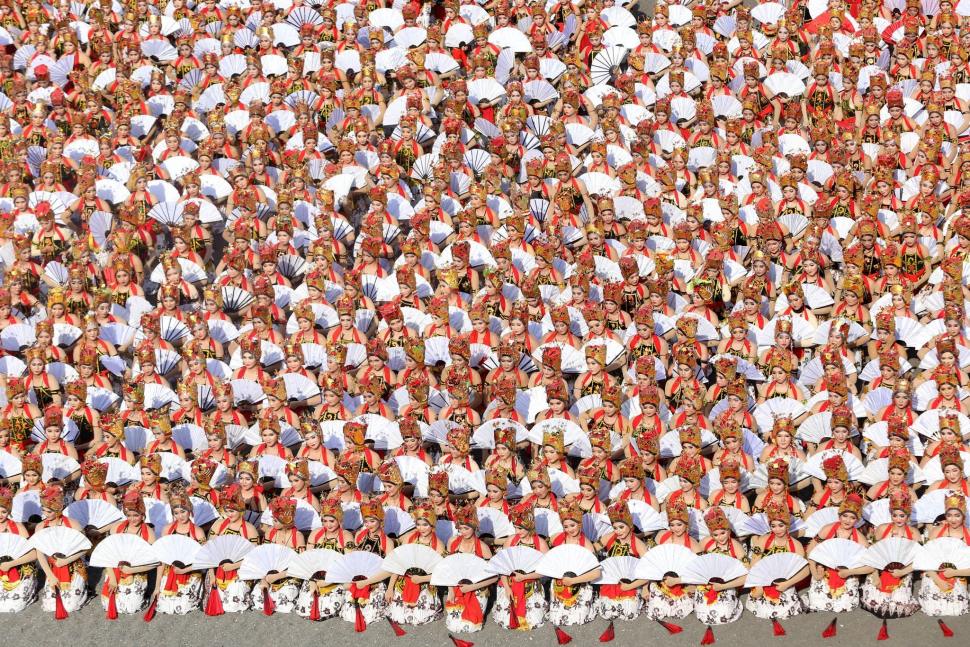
(89, 628)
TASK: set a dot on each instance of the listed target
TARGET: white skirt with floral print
(667, 603)
(130, 594)
(623, 608)
(717, 609)
(934, 602)
(577, 610)
(185, 599)
(455, 623)
(788, 604)
(329, 600)
(73, 595)
(373, 609)
(535, 609)
(16, 596)
(821, 596)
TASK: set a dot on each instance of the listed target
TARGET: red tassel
(360, 625)
(315, 609)
(150, 612)
(883, 632)
(269, 607)
(60, 613)
(214, 606)
(670, 627)
(831, 630)
(112, 613)
(513, 619)
(608, 635)
(398, 630)
(562, 637)
(947, 632)
(708, 638)
(778, 629)
(461, 643)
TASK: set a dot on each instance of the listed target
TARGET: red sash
(62, 573)
(118, 577)
(12, 575)
(888, 583)
(411, 591)
(360, 594)
(471, 607)
(226, 576)
(518, 597)
(173, 580)
(615, 592)
(835, 581)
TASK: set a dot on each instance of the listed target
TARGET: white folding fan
(712, 567)
(494, 522)
(353, 566)
(407, 557)
(838, 553)
(886, 552)
(26, 507)
(951, 551)
(774, 568)
(821, 518)
(176, 550)
(617, 570)
(664, 559)
(567, 559)
(221, 550)
(932, 506)
(93, 513)
(459, 568)
(115, 550)
(853, 465)
(58, 467)
(203, 511)
(13, 546)
(517, 559)
(397, 522)
(308, 564)
(265, 560)
(758, 524)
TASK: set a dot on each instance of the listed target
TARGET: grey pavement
(89, 627)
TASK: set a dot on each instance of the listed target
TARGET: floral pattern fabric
(535, 608)
(935, 602)
(329, 599)
(717, 607)
(897, 602)
(16, 595)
